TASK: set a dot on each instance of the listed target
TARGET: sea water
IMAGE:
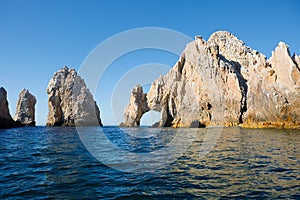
(64, 163)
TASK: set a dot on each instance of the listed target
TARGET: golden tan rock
(224, 82)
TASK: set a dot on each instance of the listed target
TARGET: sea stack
(6, 120)
(25, 110)
(136, 107)
(223, 82)
(70, 102)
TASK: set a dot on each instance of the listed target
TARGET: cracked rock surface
(25, 110)
(224, 82)
(70, 102)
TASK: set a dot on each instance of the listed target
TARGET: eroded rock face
(273, 85)
(70, 102)
(136, 107)
(200, 86)
(25, 110)
(224, 82)
(6, 120)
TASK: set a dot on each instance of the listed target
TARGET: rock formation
(136, 107)
(6, 120)
(70, 103)
(25, 111)
(224, 82)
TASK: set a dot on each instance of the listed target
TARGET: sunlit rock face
(70, 102)
(136, 108)
(25, 110)
(272, 98)
(224, 82)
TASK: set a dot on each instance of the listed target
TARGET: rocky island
(223, 82)
(70, 102)
(6, 120)
(25, 111)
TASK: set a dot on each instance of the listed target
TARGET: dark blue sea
(149, 163)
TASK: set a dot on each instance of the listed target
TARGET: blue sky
(39, 37)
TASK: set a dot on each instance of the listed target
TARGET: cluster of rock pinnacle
(25, 111)
(70, 103)
(219, 82)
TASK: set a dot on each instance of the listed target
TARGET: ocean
(149, 163)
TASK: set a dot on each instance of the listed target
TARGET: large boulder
(70, 102)
(25, 110)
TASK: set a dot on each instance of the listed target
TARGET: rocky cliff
(70, 102)
(25, 110)
(6, 120)
(224, 82)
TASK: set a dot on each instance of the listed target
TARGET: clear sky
(39, 37)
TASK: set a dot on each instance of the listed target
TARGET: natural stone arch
(223, 82)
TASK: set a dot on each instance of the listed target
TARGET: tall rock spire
(25, 110)
(6, 120)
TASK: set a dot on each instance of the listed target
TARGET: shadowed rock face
(25, 111)
(224, 82)
(6, 120)
(70, 103)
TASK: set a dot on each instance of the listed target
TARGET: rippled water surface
(43, 163)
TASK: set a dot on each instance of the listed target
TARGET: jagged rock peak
(224, 82)
(285, 67)
(136, 108)
(25, 110)
(6, 120)
(70, 102)
(4, 110)
(225, 36)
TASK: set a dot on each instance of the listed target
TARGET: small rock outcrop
(224, 82)
(6, 120)
(70, 102)
(136, 107)
(25, 110)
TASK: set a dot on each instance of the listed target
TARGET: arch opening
(150, 119)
